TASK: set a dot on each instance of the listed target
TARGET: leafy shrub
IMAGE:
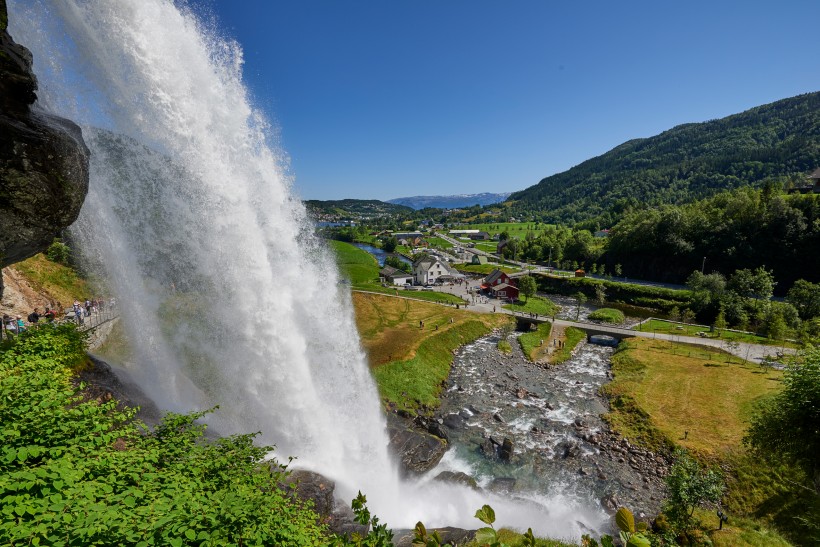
(607, 315)
(58, 252)
(79, 472)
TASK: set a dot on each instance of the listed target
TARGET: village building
(480, 236)
(496, 277)
(505, 292)
(394, 276)
(812, 185)
(428, 270)
(602, 233)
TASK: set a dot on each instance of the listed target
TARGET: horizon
(384, 101)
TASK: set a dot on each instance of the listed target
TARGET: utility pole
(549, 260)
(703, 266)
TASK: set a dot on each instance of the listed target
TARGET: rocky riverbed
(518, 427)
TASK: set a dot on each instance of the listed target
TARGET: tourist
(34, 316)
(21, 327)
(49, 315)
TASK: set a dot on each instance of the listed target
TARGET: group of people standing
(77, 313)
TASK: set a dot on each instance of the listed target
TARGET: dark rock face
(308, 485)
(43, 160)
(458, 477)
(448, 535)
(417, 450)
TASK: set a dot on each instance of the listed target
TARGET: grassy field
(535, 304)
(530, 342)
(437, 242)
(410, 362)
(356, 265)
(655, 325)
(60, 283)
(572, 337)
(665, 395)
(682, 392)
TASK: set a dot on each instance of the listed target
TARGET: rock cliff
(43, 160)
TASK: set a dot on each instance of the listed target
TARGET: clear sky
(391, 98)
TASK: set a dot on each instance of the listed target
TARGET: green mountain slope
(354, 208)
(779, 140)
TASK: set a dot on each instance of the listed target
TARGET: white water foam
(230, 298)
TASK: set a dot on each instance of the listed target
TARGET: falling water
(191, 219)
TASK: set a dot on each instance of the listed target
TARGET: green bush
(79, 472)
(58, 252)
(607, 315)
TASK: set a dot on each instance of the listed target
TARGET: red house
(496, 277)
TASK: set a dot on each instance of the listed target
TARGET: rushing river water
(561, 446)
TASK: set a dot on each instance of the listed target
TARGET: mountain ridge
(451, 201)
(779, 140)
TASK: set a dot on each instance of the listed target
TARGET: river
(553, 416)
(379, 254)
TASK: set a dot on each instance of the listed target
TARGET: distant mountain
(779, 141)
(353, 208)
(450, 202)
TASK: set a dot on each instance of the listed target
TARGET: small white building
(394, 276)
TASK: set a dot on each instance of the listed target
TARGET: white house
(428, 269)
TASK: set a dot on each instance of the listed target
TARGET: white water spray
(228, 295)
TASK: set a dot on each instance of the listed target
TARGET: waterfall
(192, 221)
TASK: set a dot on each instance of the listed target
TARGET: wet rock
(342, 521)
(506, 451)
(454, 421)
(503, 485)
(448, 535)
(610, 503)
(567, 449)
(43, 160)
(457, 477)
(307, 485)
(417, 450)
(521, 393)
(498, 418)
(489, 447)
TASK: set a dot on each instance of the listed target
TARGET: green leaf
(485, 515)
(190, 534)
(625, 520)
(485, 535)
(607, 541)
(638, 540)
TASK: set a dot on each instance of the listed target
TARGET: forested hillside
(779, 141)
(354, 208)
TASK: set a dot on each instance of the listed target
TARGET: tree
(618, 270)
(688, 316)
(527, 286)
(690, 485)
(600, 294)
(580, 298)
(398, 263)
(720, 321)
(752, 284)
(805, 296)
(785, 427)
(389, 245)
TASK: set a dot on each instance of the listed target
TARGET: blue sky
(392, 98)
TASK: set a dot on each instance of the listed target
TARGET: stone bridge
(526, 322)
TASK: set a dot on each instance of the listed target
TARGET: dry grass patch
(411, 363)
(389, 326)
(680, 389)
